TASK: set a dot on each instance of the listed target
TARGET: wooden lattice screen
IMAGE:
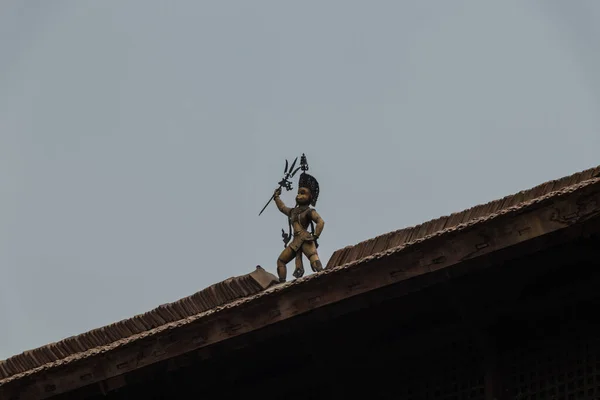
(452, 372)
(562, 369)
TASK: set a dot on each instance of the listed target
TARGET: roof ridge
(397, 237)
(215, 295)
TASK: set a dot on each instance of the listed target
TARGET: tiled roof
(400, 237)
(216, 295)
(235, 292)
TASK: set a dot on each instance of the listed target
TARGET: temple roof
(383, 243)
(120, 333)
(235, 292)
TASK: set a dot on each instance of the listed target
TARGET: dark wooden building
(500, 301)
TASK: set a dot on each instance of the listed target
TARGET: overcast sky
(140, 138)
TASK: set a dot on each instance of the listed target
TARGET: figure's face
(303, 197)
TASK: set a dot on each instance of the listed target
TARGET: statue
(300, 218)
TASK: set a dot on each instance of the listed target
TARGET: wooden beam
(419, 260)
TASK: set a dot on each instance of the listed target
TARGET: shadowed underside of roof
(400, 237)
(209, 298)
(248, 287)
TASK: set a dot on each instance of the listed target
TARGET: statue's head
(308, 190)
(304, 196)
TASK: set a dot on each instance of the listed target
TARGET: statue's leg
(299, 271)
(315, 264)
(285, 257)
(310, 251)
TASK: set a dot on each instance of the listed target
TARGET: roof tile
(215, 295)
(350, 254)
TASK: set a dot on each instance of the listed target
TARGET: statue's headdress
(308, 181)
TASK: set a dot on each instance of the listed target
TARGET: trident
(288, 173)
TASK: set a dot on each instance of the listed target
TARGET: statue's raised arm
(279, 203)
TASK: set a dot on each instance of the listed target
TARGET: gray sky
(140, 138)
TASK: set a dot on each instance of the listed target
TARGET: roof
(236, 292)
(382, 243)
(213, 296)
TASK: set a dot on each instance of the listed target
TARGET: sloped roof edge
(382, 243)
(207, 299)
